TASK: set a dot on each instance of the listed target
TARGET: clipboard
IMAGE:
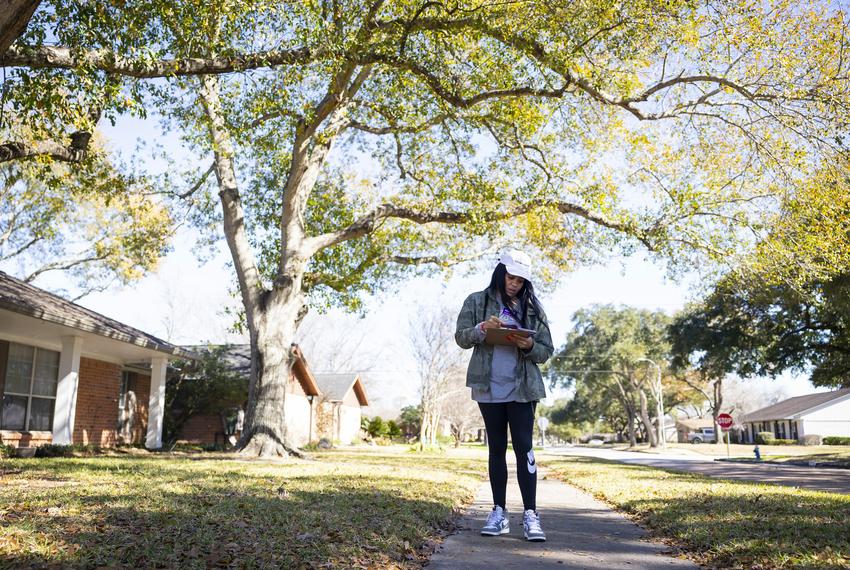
(500, 336)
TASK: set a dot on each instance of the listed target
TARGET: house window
(122, 402)
(29, 394)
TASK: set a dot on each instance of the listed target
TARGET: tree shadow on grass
(217, 525)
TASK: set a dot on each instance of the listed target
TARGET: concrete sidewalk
(581, 532)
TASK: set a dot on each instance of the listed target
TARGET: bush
(377, 427)
(54, 450)
(836, 440)
(810, 439)
(6, 450)
(765, 438)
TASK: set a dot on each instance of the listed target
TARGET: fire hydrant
(757, 452)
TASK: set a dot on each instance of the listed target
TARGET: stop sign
(725, 422)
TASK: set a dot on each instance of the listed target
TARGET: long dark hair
(526, 296)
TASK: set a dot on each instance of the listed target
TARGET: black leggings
(520, 417)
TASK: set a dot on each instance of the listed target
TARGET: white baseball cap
(517, 263)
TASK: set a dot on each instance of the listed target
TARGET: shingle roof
(23, 298)
(336, 386)
(792, 407)
(238, 359)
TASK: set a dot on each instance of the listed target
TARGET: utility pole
(662, 440)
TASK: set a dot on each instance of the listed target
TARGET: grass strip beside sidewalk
(719, 523)
(383, 508)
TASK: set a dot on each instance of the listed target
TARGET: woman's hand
(492, 323)
(523, 342)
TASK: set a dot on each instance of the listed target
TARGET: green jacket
(476, 309)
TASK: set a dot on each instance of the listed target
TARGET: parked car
(702, 435)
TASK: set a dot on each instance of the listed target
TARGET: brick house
(71, 375)
(299, 405)
(339, 412)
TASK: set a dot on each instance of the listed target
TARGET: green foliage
(6, 450)
(765, 438)
(410, 420)
(472, 108)
(836, 440)
(601, 360)
(393, 429)
(745, 328)
(207, 386)
(377, 427)
(91, 221)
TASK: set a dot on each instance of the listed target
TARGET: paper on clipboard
(500, 336)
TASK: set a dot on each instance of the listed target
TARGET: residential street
(817, 478)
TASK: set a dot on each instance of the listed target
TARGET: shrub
(783, 442)
(765, 438)
(836, 440)
(6, 450)
(377, 427)
(54, 450)
(393, 429)
(810, 439)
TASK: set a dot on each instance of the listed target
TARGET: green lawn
(722, 524)
(365, 508)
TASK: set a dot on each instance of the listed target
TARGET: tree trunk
(272, 358)
(718, 404)
(644, 418)
(14, 17)
(631, 426)
(272, 315)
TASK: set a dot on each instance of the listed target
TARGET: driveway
(817, 478)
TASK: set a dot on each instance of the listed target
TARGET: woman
(506, 381)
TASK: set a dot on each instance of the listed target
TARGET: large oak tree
(374, 138)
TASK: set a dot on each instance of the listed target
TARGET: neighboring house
(824, 414)
(692, 425)
(71, 375)
(299, 405)
(339, 412)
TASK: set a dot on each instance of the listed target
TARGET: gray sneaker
(531, 527)
(497, 523)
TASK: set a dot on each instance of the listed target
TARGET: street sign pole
(725, 422)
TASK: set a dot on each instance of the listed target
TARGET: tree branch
(58, 57)
(250, 283)
(368, 222)
(77, 151)
(62, 266)
(199, 183)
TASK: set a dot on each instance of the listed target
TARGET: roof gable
(336, 386)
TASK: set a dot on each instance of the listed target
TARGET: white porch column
(156, 404)
(65, 407)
